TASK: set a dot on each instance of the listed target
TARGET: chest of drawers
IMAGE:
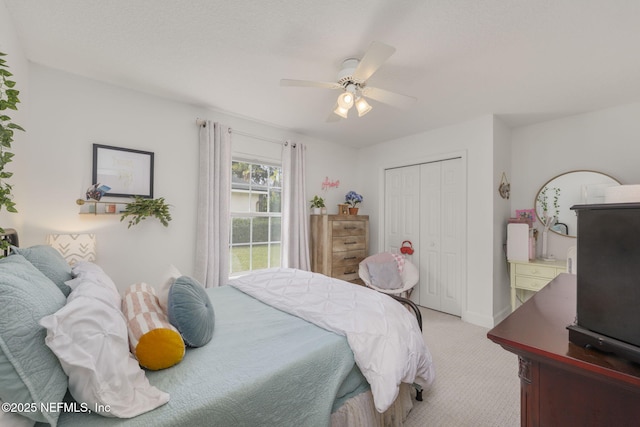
(533, 275)
(338, 244)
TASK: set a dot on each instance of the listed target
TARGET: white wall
(68, 113)
(606, 141)
(18, 66)
(501, 164)
(474, 139)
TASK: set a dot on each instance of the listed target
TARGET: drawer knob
(350, 228)
(350, 243)
(349, 257)
(349, 272)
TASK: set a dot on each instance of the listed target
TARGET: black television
(608, 279)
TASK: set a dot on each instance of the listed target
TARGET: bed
(289, 347)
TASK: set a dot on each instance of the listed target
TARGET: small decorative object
(142, 208)
(317, 203)
(504, 188)
(110, 208)
(528, 215)
(343, 209)
(353, 199)
(96, 191)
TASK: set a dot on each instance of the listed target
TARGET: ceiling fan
(352, 81)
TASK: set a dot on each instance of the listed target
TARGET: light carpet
(476, 381)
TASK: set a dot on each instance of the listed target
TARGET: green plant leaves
(8, 101)
(141, 208)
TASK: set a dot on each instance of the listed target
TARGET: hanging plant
(141, 208)
(8, 101)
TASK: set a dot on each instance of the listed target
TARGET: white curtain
(295, 221)
(214, 193)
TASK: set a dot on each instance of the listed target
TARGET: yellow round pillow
(152, 339)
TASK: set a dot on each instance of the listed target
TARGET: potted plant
(353, 199)
(317, 204)
(8, 100)
(141, 208)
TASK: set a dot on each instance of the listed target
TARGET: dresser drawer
(340, 259)
(536, 270)
(531, 283)
(348, 243)
(347, 272)
(348, 228)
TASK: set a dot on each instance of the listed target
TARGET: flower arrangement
(352, 198)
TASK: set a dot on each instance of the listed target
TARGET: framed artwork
(128, 172)
(343, 209)
(528, 215)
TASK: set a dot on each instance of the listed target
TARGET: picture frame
(527, 215)
(343, 209)
(127, 171)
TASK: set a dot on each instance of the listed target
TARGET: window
(256, 213)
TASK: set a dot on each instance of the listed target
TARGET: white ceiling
(524, 60)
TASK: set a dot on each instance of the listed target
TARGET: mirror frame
(535, 200)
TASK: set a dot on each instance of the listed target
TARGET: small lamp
(74, 247)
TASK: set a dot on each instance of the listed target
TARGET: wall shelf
(96, 207)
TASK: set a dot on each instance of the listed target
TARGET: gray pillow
(190, 311)
(29, 372)
(385, 275)
(50, 263)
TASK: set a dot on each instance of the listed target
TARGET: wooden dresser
(562, 384)
(338, 244)
(533, 275)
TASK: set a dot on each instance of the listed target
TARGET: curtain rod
(202, 122)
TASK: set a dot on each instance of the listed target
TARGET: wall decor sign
(328, 184)
(128, 172)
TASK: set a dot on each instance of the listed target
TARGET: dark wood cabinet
(562, 384)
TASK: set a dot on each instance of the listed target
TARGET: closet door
(442, 234)
(402, 212)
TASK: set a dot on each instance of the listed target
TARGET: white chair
(409, 278)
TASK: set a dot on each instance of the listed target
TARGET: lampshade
(74, 247)
(342, 112)
(345, 100)
(362, 106)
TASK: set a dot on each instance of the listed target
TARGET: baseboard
(478, 319)
(502, 315)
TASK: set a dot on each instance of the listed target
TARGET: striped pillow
(152, 339)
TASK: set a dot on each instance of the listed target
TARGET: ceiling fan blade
(309, 83)
(372, 60)
(391, 98)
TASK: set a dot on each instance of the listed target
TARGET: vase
(353, 211)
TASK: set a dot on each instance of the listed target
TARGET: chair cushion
(385, 275)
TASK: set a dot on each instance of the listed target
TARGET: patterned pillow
(152, 339)
(49, 262)
(29, 371)
(190, 310)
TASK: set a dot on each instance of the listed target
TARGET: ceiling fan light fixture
(345, 100)
(362, 106)
(341, 111)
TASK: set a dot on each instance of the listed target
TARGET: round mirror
(556, 196)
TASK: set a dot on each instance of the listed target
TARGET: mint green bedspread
(262, 367)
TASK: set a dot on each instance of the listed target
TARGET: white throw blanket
(384, 336)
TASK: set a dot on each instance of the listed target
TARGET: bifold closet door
(442, 233)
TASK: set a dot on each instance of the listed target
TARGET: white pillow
(12, 419)
(170, 277)
(89, 336)
(85, 270)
